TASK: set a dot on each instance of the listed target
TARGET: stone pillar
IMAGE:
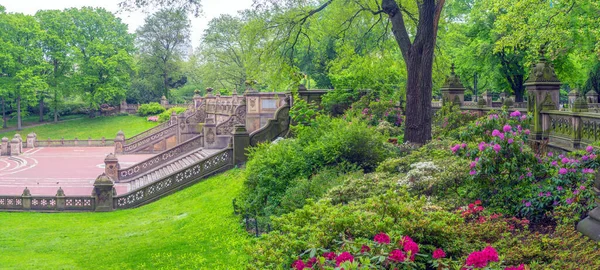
(119, 142)
(590, 226)
(18, 136)
(453, 90)
(60, 199)
(5, 147)
(111, 167)
(103, 193)
(210, 134)
(173, 119)
(164, 101)
(26, 196)
(592, 97)
(487, 97)
(241, 141)
(543, 91)
(197, 99)
(123, 106)
(15, 148)
(572, 96)
(31, 140)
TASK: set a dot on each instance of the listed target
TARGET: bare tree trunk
(19, 127)
(55, 106)
(41, 109)
(4, 125)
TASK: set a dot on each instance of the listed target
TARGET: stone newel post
(103, 193)
(31, 140)
(111, 167)
(26, 196)
(590, 226)
(453, 90)
(543, 90)
(241, 141)
(15, 148)
(119, 142)
(5, 147)
(164, 101)
(60, 199)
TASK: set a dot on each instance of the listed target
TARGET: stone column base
(590, 226)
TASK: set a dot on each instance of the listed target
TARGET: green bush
(166, 115)
(152, 108)
(284, 171)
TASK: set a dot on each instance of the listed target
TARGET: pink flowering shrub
(513, 179)
(374, 111)
(402, 254)
(153, 118)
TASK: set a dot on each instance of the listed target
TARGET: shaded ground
(44, 170)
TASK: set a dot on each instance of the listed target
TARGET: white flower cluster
(420, 173)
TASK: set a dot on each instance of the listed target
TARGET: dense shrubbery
(524, 204)
(449, 118)
(376, 111)
(275, 170)
(166, 115)
(152, 108)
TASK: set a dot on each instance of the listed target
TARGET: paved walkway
(43, 170)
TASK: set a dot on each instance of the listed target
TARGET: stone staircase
(158, 173)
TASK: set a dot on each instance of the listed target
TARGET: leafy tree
(193, 6)
(102, 55)
(58, 53)
(22, 58)
(163, 41)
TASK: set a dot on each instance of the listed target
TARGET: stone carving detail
(163, 134)
(561, 125)
(238, 118)
(210, 136)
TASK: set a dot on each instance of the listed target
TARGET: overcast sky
(211, 9)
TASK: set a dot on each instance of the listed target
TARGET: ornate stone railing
(223, 105)
(148, 132)
(47, 203)
(276, 127)
(218, 162)
(76, 142)
(151, 139)
(161, 159)
(237, 118)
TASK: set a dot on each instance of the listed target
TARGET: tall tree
(164, 40)
(103, 56)
(22, 58)
(416, 39)
(58, 52)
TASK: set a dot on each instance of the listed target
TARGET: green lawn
(191, 229)
(88, 127)
(35, 119)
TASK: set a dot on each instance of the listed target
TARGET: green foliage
(374, 111)
(166, 115)
(303, 113)
(163, 234)
(450, 117)
(162, 41)
(322, 224)
(339, 99)
(274, 169)
(152, 108)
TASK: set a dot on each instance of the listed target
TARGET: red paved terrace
(43, 170)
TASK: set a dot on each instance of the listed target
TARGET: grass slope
(191, 229)
(88, 127)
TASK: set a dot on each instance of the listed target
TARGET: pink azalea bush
(378, 254)
(506, 172)
(153, 118)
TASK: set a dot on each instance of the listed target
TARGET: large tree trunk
(41, 109)
(19, 127)
(418, 57)
(55, 106)
(4, 125)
